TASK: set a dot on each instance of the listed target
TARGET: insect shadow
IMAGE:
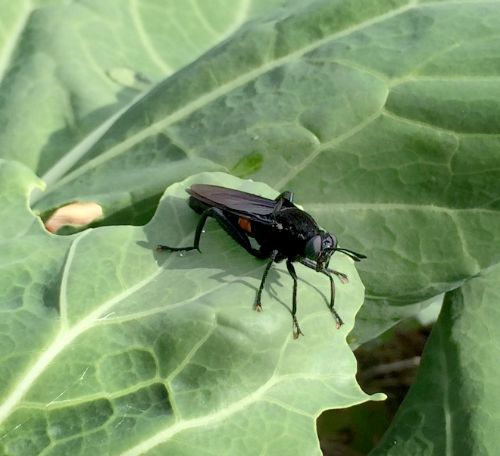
(218, 257)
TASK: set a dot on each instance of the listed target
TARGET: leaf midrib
(12, 41)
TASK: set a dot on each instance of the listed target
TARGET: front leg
(338, 320)
(296, 329)
(312, 265)
(328, 272)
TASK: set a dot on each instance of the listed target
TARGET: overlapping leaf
(452, 408)
(67, 69)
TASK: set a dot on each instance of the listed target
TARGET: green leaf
(109, 347)
(453, 407)
(382, 117)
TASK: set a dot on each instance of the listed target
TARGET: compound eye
(329, 242)
(313, 247)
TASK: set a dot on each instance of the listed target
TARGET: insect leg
(283, 200)
(258, 306)
(338, 320)
(236, 233)
(296, 329)
(343, 277)
(228, 226)
(199, 229)
(287, 196)
(312, 265)
(328, 272)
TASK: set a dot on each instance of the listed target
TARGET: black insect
(281, 229)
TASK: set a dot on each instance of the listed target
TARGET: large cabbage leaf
(109, 347)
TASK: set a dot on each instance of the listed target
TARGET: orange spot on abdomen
(245, 224)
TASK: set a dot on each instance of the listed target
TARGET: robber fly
(281, 230)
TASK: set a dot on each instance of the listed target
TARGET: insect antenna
(351, 253)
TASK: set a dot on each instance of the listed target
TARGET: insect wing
(245, 204)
